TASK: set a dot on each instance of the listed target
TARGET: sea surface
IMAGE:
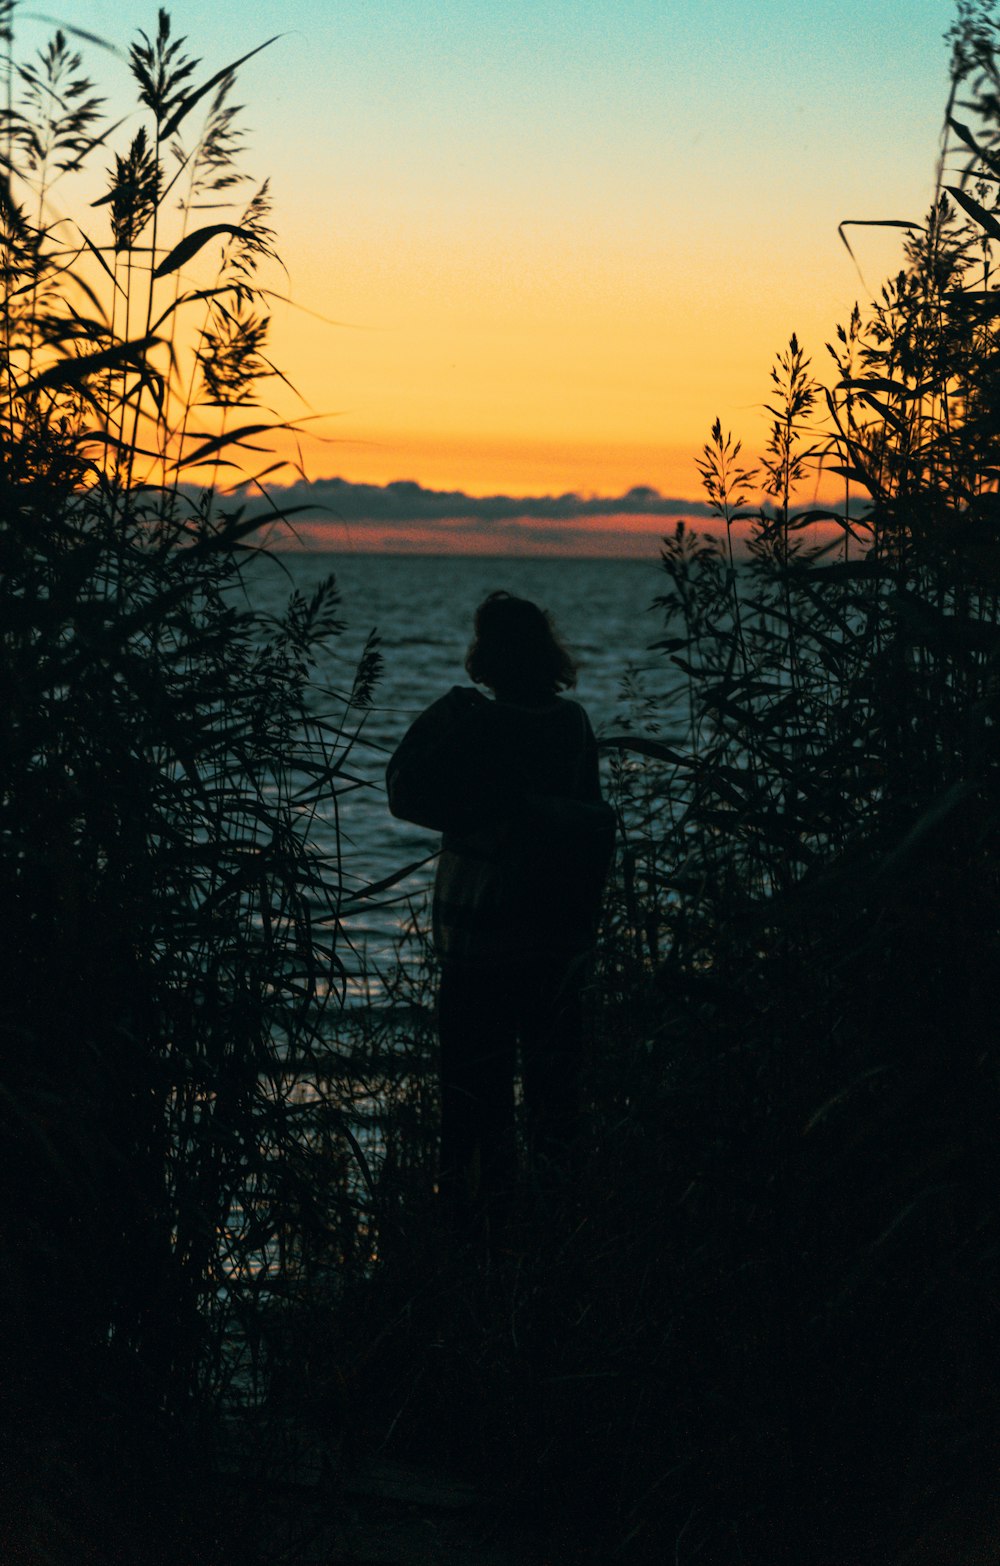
(422, 609)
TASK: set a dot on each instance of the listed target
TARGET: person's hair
(515, 649)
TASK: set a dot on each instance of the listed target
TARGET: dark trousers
(483, 1016)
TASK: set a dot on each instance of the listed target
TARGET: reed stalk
(177, 1164)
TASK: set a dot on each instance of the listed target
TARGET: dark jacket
(527, 839)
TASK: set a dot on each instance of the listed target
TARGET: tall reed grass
(174, 1160)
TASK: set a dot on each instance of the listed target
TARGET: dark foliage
(174, 1164)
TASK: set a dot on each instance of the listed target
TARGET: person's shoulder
(455, 702)
(466, 696)
(575, 711)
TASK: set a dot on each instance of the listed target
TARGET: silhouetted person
(513, 785)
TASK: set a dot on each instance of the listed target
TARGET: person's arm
(589, 783)
(429, 778)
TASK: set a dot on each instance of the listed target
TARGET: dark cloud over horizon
(405, 501)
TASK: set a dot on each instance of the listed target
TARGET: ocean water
(422, 608)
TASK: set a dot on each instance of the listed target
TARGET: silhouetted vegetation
(761, 1324)
(172, 1166)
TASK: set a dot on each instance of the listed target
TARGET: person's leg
(551, 1032)
(477, 1033)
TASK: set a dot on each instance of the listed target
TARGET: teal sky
(621, 92)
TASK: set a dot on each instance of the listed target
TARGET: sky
(534, 249)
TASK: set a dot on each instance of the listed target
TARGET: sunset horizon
(405, 517)
(539, 252)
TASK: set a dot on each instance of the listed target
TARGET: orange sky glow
(537, 249)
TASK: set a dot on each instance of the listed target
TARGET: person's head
(515, 650)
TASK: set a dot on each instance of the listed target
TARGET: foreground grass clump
(174, 1165)
(763, 1325)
